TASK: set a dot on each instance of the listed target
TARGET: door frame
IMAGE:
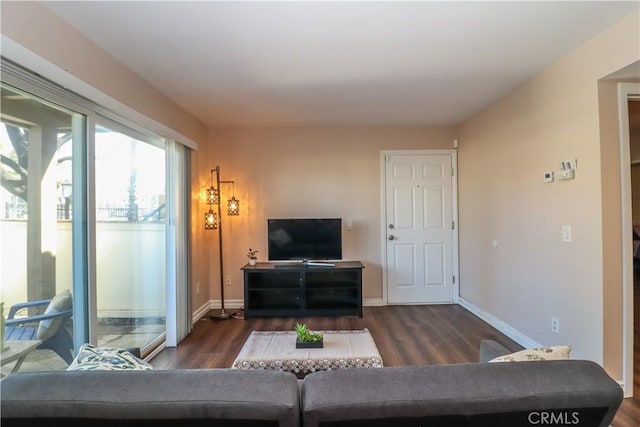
(626, 91)
(454, 213)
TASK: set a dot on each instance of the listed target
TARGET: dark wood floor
(404, 335)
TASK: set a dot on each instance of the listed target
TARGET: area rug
(277, 350)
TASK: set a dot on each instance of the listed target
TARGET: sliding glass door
(37, 140)
(130, 182)
(93, 226)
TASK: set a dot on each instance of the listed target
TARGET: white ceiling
(338, 63)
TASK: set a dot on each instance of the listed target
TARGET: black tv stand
(303, 289)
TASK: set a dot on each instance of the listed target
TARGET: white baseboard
(373, 302)
(215, 304)
(228, 303)
(201, 312)
(503, 327)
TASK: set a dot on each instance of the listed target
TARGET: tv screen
(304, 239)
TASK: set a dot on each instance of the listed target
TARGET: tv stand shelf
(299, 290)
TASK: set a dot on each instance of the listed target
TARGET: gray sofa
(189, 397)
(482, 394)
(479, 394)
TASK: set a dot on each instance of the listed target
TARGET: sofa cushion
(91, 358)
(536, 354)
(479, 394)
(161, 397)
(61, 302)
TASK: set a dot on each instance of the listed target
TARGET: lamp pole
(223, 314)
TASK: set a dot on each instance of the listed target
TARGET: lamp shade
(210, 220)
(212, 195)
(233, 206)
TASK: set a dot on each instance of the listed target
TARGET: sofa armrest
(489, 349)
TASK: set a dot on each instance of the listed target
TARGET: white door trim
(625, 92)
(454, 213)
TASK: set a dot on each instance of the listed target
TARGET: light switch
(348, 224)
(566, 233)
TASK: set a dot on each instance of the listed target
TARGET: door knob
(391, 226)
(392, 237)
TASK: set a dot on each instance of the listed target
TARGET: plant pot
(252, 261)
(305, 344)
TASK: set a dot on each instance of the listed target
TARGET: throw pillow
(534, 354)
(61, 302)
(91, 358)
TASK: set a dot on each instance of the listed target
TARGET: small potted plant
(306, 338)
(252, 256)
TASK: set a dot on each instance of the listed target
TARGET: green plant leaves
(307, 335)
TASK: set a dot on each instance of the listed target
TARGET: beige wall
(611, 224)
(37, 29)
(302, 172)
(201, 242)
(532, 276)
(634, 137)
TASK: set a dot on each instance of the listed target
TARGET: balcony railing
(109, 213)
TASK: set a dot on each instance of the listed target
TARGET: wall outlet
(198, 288)
(227, 280)
(555, 325)
(566, 234)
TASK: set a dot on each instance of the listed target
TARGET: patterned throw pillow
(91, 358)
(534, 354)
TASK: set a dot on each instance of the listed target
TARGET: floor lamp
(213, 221)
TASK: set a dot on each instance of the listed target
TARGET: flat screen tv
(305, 239)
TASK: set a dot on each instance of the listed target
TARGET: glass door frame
(82, 223)
(142, 138)
(85, 319)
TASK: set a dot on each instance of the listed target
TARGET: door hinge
(453, 225)
(452, 173)
(454, 280)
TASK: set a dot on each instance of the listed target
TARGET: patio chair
(49, 327)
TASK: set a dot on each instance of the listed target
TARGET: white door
(419, 228)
